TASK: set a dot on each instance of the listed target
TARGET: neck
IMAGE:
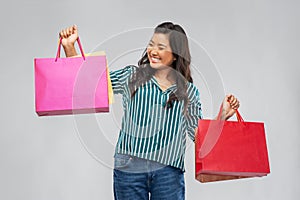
(164, 74)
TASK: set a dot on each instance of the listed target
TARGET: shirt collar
(171, 88)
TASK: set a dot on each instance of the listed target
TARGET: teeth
(155, 59)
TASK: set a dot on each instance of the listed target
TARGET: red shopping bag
(71, 85)
(227, 150)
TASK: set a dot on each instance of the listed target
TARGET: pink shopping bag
(73, 85)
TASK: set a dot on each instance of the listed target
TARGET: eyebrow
(159, 44)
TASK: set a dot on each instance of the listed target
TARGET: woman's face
(159, 51)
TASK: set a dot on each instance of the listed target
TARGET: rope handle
(238, 115)
(59, 48)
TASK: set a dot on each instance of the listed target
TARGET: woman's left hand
(230, 105)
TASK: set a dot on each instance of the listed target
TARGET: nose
(153, 51)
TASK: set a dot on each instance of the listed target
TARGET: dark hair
(180, 49)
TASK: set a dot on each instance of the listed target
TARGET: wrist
(70, 50)
(225, 115)
(68, 46)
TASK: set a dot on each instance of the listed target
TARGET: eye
(161, 47)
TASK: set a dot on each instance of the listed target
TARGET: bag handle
(238, 115)
(212, 137)
(59, 47)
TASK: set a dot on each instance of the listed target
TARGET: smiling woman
(161, 106)
(168, 58)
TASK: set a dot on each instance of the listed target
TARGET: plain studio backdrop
(248, 48)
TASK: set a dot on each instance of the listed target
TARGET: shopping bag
(73, 85)
(110, 89)
(226, 150)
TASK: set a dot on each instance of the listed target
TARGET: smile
(155, 59)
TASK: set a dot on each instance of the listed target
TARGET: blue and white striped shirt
(149, 130)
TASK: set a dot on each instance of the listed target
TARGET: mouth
(154, 59)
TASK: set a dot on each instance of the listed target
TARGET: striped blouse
(149, 130)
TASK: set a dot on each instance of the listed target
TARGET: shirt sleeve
(119, 79)
(194, 113)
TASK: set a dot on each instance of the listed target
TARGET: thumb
(228, 98)
(75, 29)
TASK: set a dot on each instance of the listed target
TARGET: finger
(233, 101)
(74, 29)
(62, 34)
(70, 30)
(236, 105)
(228, 97)
(65, 33)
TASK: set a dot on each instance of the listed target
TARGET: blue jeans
(140, 179)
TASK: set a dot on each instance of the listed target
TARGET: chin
(158, 66)
(155, 65)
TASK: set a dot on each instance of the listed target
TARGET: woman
(161, 105)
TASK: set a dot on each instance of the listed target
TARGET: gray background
(253, 44)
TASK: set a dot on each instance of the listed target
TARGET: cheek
(168, 57)
(149, 50)
(148, 53)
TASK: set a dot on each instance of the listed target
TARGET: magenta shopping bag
(72, 85)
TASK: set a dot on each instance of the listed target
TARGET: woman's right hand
(69, 36)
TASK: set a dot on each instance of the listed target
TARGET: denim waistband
(128, 163)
